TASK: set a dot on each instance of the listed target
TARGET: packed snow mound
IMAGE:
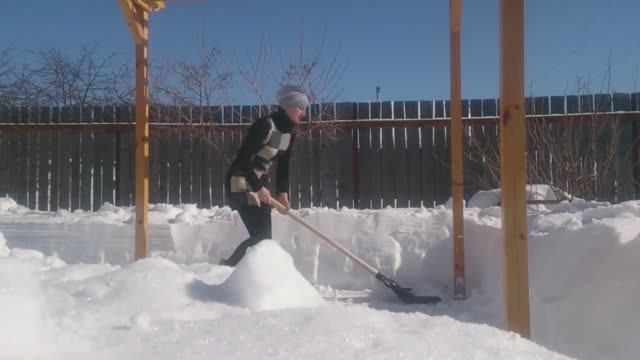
(144, 310)
(6, 204)
(21, 309)
(582, 267)
(266, 279)
(4, 250)
(340, 331)
(491, 198)
(159, 214)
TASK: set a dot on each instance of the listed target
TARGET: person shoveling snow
(269, 139)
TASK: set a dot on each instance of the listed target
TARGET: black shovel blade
(405, 294)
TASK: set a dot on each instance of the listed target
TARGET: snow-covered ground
(75, 293)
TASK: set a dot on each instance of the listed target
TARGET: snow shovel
(403, 293)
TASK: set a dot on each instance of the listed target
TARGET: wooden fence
(363, 155)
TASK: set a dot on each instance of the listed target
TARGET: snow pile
(159, 214)
(266, 279)
(8, 206)
(585, 287)
(582, 265)
(491, 198)
(150, 286)
(338, 332)
(156, 309)
(21, 309)
(4, 250)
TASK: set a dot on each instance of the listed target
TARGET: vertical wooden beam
(142, 136)
(513, 133)
(457, 178)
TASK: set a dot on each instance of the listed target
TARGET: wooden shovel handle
(275, 204)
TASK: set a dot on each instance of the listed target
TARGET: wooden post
(136, 13)
(142, 136)
(457, 179)
(513, 133)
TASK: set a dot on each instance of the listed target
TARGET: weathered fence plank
(573, 104)
(97, 159)
(303, 150)
(54, 196)
(315, 165)
(45, 153)
(443, 170)
(186, 156)
(76, 115)
(602, 102)
(216, 152)
(86, 158)
(541, 105)
(428, 183)
(5, 147)
(347, 153)
(163, 157)
(174, 159)
(328, 168)
(33, 155)
(64, 187)
(388, 168)
(154, 158)
(197, 163)
(120, 158)
(624, 162)
(401, 155)
(364, 156)
(557, 105)
(20, 180)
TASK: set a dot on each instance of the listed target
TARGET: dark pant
(257, 220)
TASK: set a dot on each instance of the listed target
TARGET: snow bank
(266, 279)
(21, 309)
(491, 198)
(155, 309)
(338, 332)
(7, 204)
(4, 250)
(582, 264)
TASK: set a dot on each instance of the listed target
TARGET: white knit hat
(292, 96)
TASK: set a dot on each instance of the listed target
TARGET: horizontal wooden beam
(344, 124)
(151, 5)
(129, 11)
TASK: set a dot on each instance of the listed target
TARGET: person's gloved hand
(283, 198)
(264, 195)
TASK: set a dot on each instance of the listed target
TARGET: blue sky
(401, 46)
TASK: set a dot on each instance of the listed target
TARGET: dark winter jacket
(268, 139)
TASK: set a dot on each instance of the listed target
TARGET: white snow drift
(583, 266)
(157, 309)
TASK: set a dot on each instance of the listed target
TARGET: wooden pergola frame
(457, 171)
(513, 169)
(513, 137)
(136, 12)
(512, 149)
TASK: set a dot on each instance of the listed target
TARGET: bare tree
(575, 154)
(88, 79)
(309, 67)
(200, 83)
(6, 71)
(121, 86)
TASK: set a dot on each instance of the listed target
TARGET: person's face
(296, 113)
